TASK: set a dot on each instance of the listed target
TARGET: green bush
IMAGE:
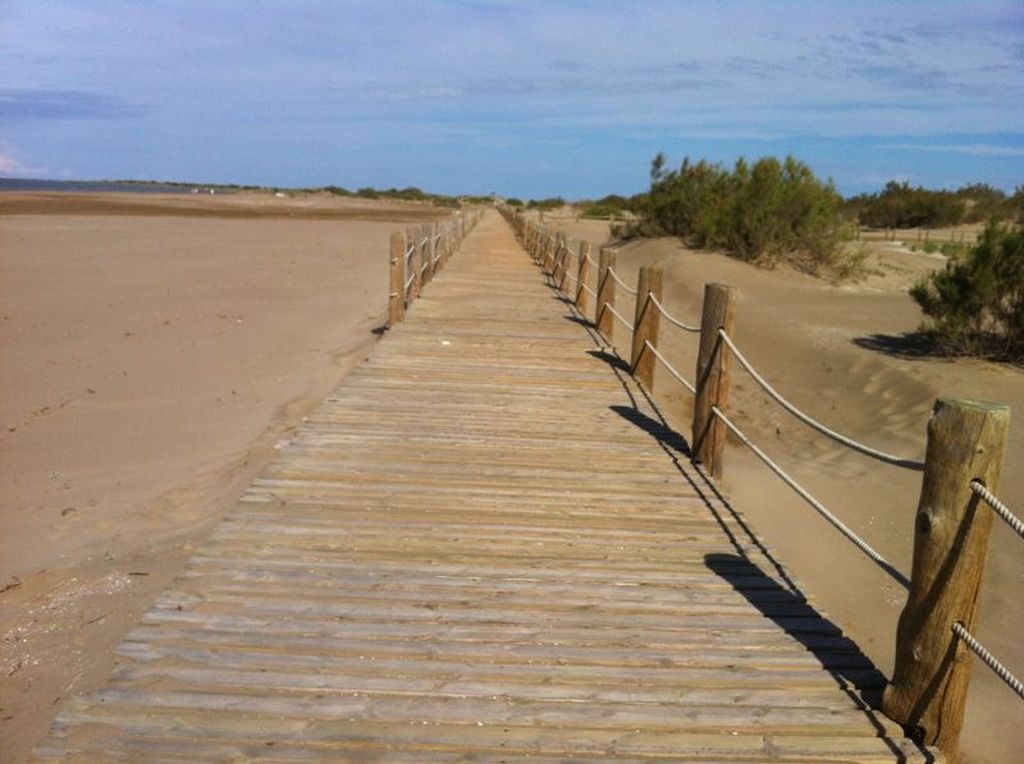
(899, 205)
(766, 212)
(975, 305)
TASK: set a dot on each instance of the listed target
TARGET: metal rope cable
(898, 461)
(620, 282)
(671, 369)
(989, 659)
(817, 505)
(608, 306)
(998, 507)
(669, 317)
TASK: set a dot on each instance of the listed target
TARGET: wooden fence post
(647, 319)
(603, 318)
(435, 264)
(966, 441)
(396, 298)
(563, 260)
(428, 266)
(713, 377)
(414, 264)
(582, 277)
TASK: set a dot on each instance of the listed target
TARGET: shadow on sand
(909, 345)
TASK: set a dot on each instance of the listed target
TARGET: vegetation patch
(975, 306)
(767, 212)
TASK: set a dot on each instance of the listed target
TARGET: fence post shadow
(840, 656)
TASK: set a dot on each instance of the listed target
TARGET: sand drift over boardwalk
(483, 544)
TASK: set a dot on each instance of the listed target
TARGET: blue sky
(559, 97)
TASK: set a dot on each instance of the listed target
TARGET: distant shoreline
(122, 186)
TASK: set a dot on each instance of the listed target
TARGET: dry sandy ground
(154, 350)
(836, 352)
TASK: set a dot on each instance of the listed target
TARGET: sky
(567, 98)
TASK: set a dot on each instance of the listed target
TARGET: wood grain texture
(483, 546)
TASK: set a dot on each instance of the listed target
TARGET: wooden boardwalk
(483, 546)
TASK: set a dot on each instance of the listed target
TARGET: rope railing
(842, 527)
(413, 264)
(965, 445)
(998, 507)
(669, 367)
(989, 659)
(620, 282)
(669, 317)
(611, 309)
(811, 421)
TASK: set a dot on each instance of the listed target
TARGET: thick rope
(817, 505)
(620, 282)
(999, 508)
(669, 317)
(989, 659)
(409, 281)
(898, 461)
(608, 306)
(588, 290)
(671, 370)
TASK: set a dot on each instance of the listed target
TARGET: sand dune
(150, 364)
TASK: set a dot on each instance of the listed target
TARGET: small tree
(975, 305)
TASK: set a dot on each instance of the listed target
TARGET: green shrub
(766, 212)
(975, 305)
(899, 205)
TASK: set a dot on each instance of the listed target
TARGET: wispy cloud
(968, 149)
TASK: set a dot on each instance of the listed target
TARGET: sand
(151, 361)
(837, 353)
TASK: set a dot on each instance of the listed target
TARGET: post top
(984, 407)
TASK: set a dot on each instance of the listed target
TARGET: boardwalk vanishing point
(484, 545)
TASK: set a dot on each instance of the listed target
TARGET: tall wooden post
(647, 319)
(414, 264)
(396, 297)
(564, 267)
(713, 377)
(966, 441)
(424, 240)
(605, 293)
(432, 253)
(582, 277)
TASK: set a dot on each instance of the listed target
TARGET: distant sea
(31, 184)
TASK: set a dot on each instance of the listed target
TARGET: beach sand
(155, 350)
(839, 353)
